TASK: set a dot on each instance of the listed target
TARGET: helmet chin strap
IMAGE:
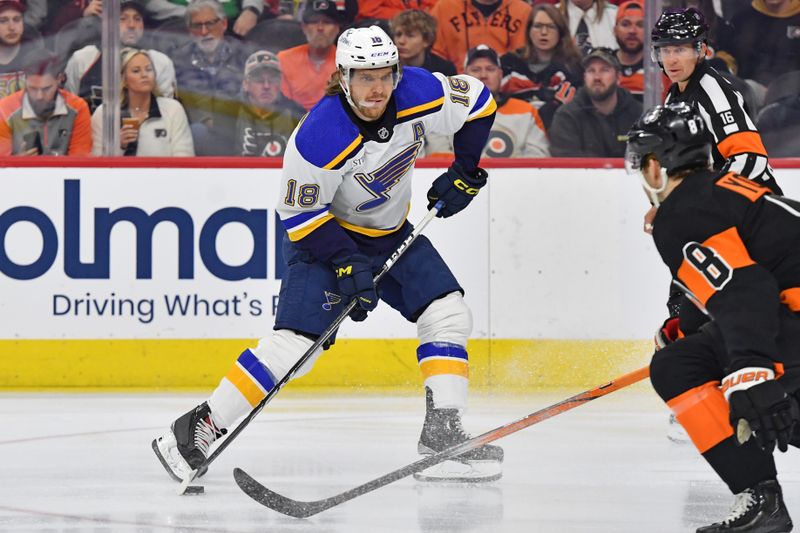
(653, 192)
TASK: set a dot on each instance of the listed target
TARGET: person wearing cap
(629, 32)
(151, 125)
(16, 41)
(209, 72)
(595, 123)
(43, 119)
(84, 68)
(267, 118)
(678, 42)
(308, 67)
(462, 25)
(414, 31)
(241, 15)
(517, 130)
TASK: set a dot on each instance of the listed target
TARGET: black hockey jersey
(732, 246)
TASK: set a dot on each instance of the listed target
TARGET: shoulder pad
(419, 93)
(327, 137)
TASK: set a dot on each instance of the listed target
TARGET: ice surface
(82, 462)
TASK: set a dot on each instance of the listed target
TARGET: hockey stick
(303, 509)
(319, 342)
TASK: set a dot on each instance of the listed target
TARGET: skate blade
(163, 451)
(461, 472)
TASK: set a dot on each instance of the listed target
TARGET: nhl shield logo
(383, 133)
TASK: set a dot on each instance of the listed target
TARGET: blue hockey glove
(355, 281)
(456, 189)
(763, 410)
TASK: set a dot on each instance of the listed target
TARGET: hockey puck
(195, 489)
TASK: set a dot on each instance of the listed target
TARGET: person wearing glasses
(547, 70)
(595, 123)
(209, 71)
(308, 67)
(242, 15)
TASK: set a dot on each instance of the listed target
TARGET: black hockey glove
(456, 189)
(766, 411)
(355, 281)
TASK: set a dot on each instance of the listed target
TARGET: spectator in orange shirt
(414, 32)
(629, 32)
(388, 9)
(43, 119)
(499, 24)
(308, 67)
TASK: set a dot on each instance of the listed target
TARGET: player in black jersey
(731, 245)
(678, 42)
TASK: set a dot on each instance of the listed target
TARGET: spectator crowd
(235, 77)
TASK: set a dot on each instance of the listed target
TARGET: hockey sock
(242, 388)
(445, 369)
(704, 413)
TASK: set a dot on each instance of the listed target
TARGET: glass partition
(234, 78)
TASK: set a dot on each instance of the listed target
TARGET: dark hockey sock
(741, 467)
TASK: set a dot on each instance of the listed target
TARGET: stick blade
(273, 500)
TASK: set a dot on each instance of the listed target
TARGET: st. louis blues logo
(379, 182)
(331, 299)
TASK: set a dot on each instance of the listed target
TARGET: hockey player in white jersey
(346, 191)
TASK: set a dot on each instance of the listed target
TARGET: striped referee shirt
(737, 143)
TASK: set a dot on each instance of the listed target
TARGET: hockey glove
(354, 275)
(760, 406)
(669, 332)
(456, 189)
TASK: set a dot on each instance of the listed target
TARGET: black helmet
(679, 26)
(675, 134)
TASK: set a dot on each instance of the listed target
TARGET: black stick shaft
(319, 342)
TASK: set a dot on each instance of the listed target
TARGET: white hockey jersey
(331, 171)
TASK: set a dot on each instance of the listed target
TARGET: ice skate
(185, 446)
(756, 510)
(442, 429)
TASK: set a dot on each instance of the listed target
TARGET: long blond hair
(126, 55)
(334, 85)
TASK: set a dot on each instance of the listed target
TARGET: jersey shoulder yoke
(326, 137)
(419, 93)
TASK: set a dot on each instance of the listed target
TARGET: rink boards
(159, 277)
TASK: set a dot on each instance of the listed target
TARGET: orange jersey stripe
(245, 384)
(791, 298)
(741, 143)
(746, 187)
(704, 414)
(727, 246)
(437, 367)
